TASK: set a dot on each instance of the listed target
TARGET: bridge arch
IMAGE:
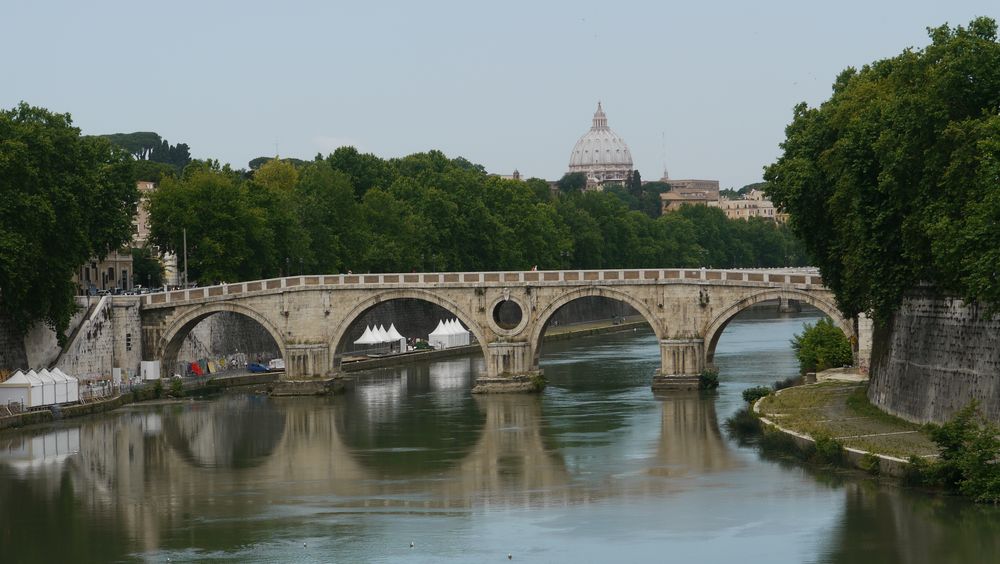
(543, 316)
(172, 339)
(399, 294)
(719, 323)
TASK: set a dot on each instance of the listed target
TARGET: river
(595, 469)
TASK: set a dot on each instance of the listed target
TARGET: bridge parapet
(797, 278)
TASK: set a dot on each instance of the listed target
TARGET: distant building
(601, 155)
(112, 272)
(140, 222)
(115, 271)
(755, 204)
(689, 191)
(516, 175)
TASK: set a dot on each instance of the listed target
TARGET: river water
(595, 469)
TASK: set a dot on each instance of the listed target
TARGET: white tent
(48, 386)
(62, 394)
(438, 338)
(460, 334)
(16, 389)
(367, 338)
(72, 386)
(37, 389)
(50, 390)
(395, 337)
(383, 335)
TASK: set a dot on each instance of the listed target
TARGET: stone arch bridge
(309, 316)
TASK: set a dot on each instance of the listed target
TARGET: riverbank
(836, 407)
(141, 393)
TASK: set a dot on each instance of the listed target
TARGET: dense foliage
(895, 179)
(970, 449)
(63, 200)
(821, 346)
(426, 212)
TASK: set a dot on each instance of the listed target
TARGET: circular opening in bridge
(507, 314)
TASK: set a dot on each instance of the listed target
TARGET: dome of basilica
(601, 154)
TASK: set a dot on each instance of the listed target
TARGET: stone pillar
(788, 305)
(510, 368)
(863, 344)
(306, 361)
(681, 362)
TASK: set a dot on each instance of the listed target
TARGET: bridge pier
(681, 363)
(788, 305)
(509, 369)
(305, 361)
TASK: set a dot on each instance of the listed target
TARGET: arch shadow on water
(411, 421)
(232, 431)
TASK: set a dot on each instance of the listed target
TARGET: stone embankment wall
(934, 358)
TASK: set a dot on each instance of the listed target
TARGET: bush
(751, 395)
(915, 473)
(176, 387)
(871, 464)
(158, 388)
(970, 450)
(708, 379)
(821, 346)
(787, 382)
(538, 382)
(743, 425)
(828, 450)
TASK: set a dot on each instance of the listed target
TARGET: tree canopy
(64, 199)
(428, 212)
(895, 180)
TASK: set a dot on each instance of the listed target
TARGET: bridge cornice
(806, 280)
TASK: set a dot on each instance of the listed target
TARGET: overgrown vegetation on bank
(821, 346)
(961, 456)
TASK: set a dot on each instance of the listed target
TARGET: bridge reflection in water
(244, 470)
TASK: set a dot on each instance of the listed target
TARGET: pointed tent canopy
(383, 335)
(439, 330)
(393, 333)
(367, 338)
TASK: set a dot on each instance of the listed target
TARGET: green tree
(572, 182)
(228, 238)
(273, 191)
(146, 267)
(331, 216)
(821, 346)
(364, 170)
(63, 200)
(892, 181)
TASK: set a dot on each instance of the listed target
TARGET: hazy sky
(703, 87)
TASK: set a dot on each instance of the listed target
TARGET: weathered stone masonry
(934, 357)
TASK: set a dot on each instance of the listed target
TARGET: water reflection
(235, 431)
(888, 525)
(690, 438)
(595, 468)
(410, 421)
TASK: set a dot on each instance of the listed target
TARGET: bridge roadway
(309, 316)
